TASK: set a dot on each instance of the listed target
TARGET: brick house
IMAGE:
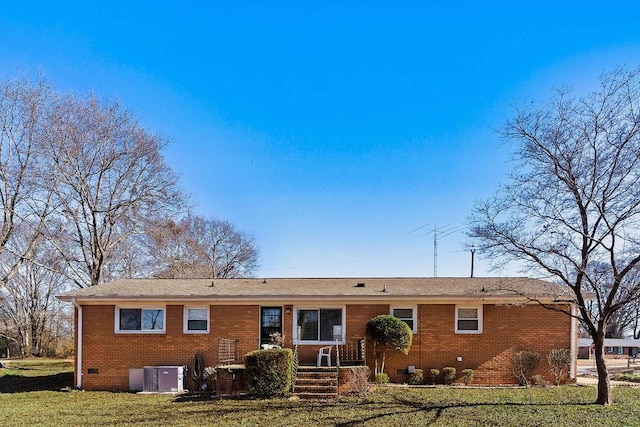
(614, 348)
(477, 323)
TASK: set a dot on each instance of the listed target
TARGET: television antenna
(438, 233)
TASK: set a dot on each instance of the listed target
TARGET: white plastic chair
(324, 352)
(269, 346)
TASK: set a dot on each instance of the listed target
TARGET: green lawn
(36, 375)
(632, 378)
(567, 405)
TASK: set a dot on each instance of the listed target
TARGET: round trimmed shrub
(417, 377)
(382, 378)
(467, 376)
(390, 333)
(433, 375)
(449, 375)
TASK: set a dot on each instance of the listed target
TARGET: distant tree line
(87, 197)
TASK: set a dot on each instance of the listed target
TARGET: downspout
(79, 351)
(574, 339)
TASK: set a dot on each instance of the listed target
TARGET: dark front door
(270, 323)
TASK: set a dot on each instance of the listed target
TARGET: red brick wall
(113, 354)
(231, 382)
(506, 330)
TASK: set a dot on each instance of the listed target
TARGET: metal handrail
(294, 368)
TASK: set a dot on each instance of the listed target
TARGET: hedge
(268, 372)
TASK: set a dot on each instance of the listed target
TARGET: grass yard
(629, 377)
(566, 405)
(619, 369)
(36, 375)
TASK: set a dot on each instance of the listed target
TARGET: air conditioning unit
(164, 378)
(136, 379)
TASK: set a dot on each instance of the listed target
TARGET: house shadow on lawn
(199, 397)
(349, 412)
(20, 384)
(408, 407)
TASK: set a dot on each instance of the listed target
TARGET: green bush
(626, 377)
(524, 363)
(559, 362)
(449, 375)
(268, 372)
(433, 375)
(417, 377)
(467, 376)
(382, 378)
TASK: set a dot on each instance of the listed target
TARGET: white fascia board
(293, 299)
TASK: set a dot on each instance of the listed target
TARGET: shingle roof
(610, 342)
(321, 288)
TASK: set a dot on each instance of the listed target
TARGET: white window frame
(141, 331)
(466, 331)
(414, 314)
(185, 319)
(323, 307)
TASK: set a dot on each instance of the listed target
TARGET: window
(319, 325)
(468, 320)
(196, 320)
(140, 319)
(407, 315)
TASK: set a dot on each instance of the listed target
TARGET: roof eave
(513, 299)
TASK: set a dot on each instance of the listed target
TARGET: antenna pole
(435, 252)
(446, 231)
(473, 253)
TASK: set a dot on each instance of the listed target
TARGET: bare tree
(621, 321)
(571, 210)
(204, 248)
(626, 321)
(114, 183)
(131, 258)
(634, 327)
(232, 253)
(26, 185)
(29, 308)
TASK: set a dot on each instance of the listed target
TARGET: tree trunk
(604, 385)
(35, 340)
(375, 356)
(26, 342)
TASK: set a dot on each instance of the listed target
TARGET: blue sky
(328, 131)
